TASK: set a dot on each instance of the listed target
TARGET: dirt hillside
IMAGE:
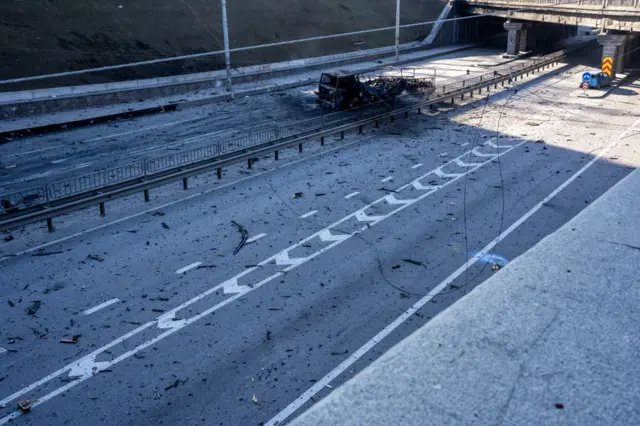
(46, 36)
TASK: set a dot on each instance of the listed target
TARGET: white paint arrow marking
(87, 367)
(480, 154)
(493, 145)
(363, 217)
(463, 164)
(231, 287)
(442, 174)
(283, 259)
(417, 185)
(326, 235)
(391, 199)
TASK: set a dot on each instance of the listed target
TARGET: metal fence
(98, 180)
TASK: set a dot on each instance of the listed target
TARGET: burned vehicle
(341, 90)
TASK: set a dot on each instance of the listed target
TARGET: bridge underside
(623, 20)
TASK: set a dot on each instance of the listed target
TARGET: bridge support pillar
(613, 46)
(513, 37)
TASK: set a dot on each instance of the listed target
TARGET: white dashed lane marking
(353, 194)
(101, 306)
(387, 179)
(311, 213)
(256, 238)
(188, 267)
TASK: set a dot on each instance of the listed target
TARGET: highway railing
(48, 201)
(604, 4)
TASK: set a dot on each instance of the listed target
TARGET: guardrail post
(50, 225)
(502, 83)
(300, 147)
(102, 210)
(419, 110)
(219, 172)
(342, 135)
(462, 97)
(406, 115)
(146, 195)
(392, 118)
(249, 163)
(377, 124)
(185, 183)
(322, 141)
(453, 101)
(359, 130)
(276, 155)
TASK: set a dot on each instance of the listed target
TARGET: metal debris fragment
(94, 257)
(297, 195)
(72, 341)
(254, 399)
(413, 262)
(25, 405)
(165, 226)
(244, 236)
(33, 308)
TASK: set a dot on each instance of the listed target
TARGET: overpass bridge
(617, 20)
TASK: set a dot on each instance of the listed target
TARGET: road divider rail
(43, 203)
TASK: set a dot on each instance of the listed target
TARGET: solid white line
(169, 321)
(256, 238)
(387, 179)
(101, 306)
(343, 366)
(416, 166)
(306, 215)
(188, 267)
(353, 194)
(171, 203)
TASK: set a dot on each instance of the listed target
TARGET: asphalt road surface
(76, 152)
(171, 320)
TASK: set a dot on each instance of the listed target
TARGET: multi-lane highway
(163, 316)
(82, 151)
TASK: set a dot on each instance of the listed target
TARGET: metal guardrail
(46, 202)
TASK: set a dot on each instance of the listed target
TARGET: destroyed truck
(342, 90)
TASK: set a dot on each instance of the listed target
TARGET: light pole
(397, 29)
(225, 32)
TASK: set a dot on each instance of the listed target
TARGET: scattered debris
(133, 231)
(320, 194)
(530, 123)
(297, 195)
(160, 299)
(404, 295)
(25, 405)
(346, 351)
(275, 308)
(11, 304)
(413, 262)
(45, 253)
(33, 308)
(94, 257)
(206, 266)
(244, 236)
(268, 335)
(175, 384)
(72, 341)
(157, 310)
(559, 405)
(254, 399)
(495, 267)
(395, 267)
(158, 213)
(165, 226)
(539, 141)
(8, 238)
(386, 190)
(452, 204)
